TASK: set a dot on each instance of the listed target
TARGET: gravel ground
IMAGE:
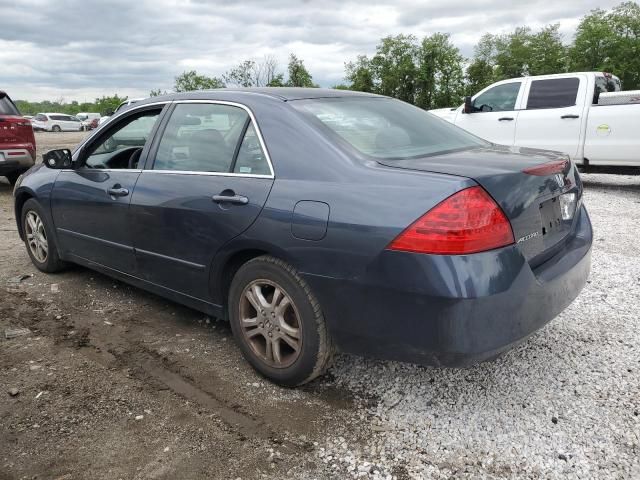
(117, 383)
(564, 404)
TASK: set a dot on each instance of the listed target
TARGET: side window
(553, 93)
(124, 143)
(251, 159)
(501, 98)
(201, 137)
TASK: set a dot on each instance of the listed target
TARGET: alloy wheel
(36, 236)
(270, 323)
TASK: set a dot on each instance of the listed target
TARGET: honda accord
(318, 221)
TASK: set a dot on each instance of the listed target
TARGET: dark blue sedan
(318, 221)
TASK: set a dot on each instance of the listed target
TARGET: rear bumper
(15, 159)
(452, 310)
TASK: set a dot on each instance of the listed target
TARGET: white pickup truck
(582, 114)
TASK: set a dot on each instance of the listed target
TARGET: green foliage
(440, 76)
(244, 75)
(360, 74)
(191, 80)
(394, 67)
(104, 105)
(299, 76)
(610, 41)
(277, 81)
(157, 93)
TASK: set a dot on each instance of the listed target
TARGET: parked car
(317, 220)
(94, 123)
(557, 112)
(87, 118)
(17, 142)
(103, 119)
(56, 122)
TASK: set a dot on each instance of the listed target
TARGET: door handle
(117, 191)
(508, 119)
(237, 199)
(570, 116)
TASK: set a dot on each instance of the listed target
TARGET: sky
(79, 50)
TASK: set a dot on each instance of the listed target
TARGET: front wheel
(38, 238)
(277, 322)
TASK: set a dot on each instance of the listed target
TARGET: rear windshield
(7, 107)
(386, 128)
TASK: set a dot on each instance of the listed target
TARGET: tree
(265, 71)
(359, 74)
(244, 75)
(592, 42)
(157, 93)
(624, 49)
(191, 80)
(299, 76)
(440, 77)
(107, 105)
(393, 67)
(547, 54)
(609, 41)
(277, 81)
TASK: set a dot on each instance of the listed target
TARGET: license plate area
(554, 228)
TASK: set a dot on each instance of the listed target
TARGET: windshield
(386, 128)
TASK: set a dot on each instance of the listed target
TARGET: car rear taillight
(469, 221)
(549, 168)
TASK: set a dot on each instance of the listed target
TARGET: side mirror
(468, 105)
(58, 159)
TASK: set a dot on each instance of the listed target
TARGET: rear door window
(204, 137)
(553, 93)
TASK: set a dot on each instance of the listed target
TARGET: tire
(280, 321)
(13, 177)
(56, 128)
(50, 262)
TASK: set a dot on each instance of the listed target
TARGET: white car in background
(56, 122)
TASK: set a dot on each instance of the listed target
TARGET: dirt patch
(113, 382)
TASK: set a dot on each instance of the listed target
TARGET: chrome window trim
(85, 169)
(227, 174)
(117, 115)
(133, 109)
(212, 174)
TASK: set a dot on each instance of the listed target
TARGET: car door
(494, 113)
(90, 203)
(552, 114)
(66, 124)
(206, 180)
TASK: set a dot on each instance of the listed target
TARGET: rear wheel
(56, 128)
(278, 323)
(39, 239)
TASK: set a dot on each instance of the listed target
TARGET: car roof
(279, 93)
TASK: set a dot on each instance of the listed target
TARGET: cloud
(78, 49)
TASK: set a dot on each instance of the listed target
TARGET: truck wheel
(277, 322)
(39, 239)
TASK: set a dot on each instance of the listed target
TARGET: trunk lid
(530, 201)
